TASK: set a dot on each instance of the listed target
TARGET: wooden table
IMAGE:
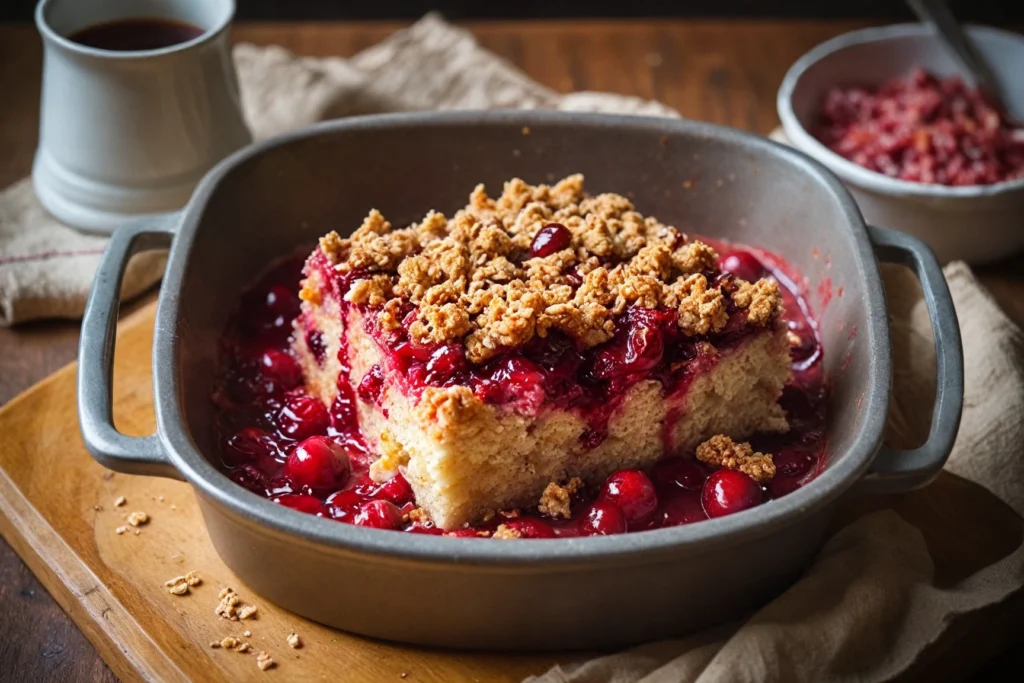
(720, 71)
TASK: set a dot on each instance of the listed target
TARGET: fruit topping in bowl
(923, 129)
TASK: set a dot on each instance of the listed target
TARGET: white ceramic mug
(124, 133)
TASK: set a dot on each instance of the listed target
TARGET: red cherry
(369, 389)
(365, 486)
(318, 464)
(530, 527)
(445, 363)
(344, 502)
(425, 530)
(682, 508)
(249, 444)
(550, 239)
(250, 478)
(729, 491)
(633, 493)
(302, 503)
(280, 301)
(396, 489)
(344, 416)
(743, 265)
(678, 473)
(315, 344)
(512, 378)
(602, 519)
(281, 369)
(379, 514)
(302, 416)
(792, 463)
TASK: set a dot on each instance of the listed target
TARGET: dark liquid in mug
(136, 34)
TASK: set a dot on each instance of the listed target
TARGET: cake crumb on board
(138, 518)
(264, 661)
(180, 585)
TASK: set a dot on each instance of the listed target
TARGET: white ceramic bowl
(977, 224)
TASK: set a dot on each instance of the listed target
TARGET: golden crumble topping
(506, 533)
(419, 516)
(701, 310)
(761, 299)
(695, 257)
(374, 291)
(392, 456)
(556, 500)
(444, 408)
(439, 323)
(473, 279)
(721, 451)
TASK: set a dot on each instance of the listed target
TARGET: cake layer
(466, 458)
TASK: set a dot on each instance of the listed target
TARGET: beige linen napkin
(46, 268)
(870, 606)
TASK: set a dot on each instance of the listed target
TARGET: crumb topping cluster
(180, 585)
(721, 451)
(556, 501)
(231, 606)
(472, 278)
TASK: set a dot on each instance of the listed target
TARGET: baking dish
(269, 199)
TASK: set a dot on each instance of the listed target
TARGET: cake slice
(532, 338)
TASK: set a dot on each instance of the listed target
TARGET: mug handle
(111, 448)
(895, 471)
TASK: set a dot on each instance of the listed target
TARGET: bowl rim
(331, 536)
(848, 170)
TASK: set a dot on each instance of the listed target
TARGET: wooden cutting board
(57, 509)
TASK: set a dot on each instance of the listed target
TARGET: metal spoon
(937, 15)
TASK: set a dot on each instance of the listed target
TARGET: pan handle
(893, 470)
(111, 448)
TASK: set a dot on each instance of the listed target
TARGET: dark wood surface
(720, 71)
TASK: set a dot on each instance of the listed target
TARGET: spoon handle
(937, 15)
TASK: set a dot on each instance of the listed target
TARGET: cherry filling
(283, 444)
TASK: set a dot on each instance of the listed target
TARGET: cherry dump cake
(546, 363)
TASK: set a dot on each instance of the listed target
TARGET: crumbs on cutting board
(180, 585)
(138, 518)
(264, 661)
(230, 605)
